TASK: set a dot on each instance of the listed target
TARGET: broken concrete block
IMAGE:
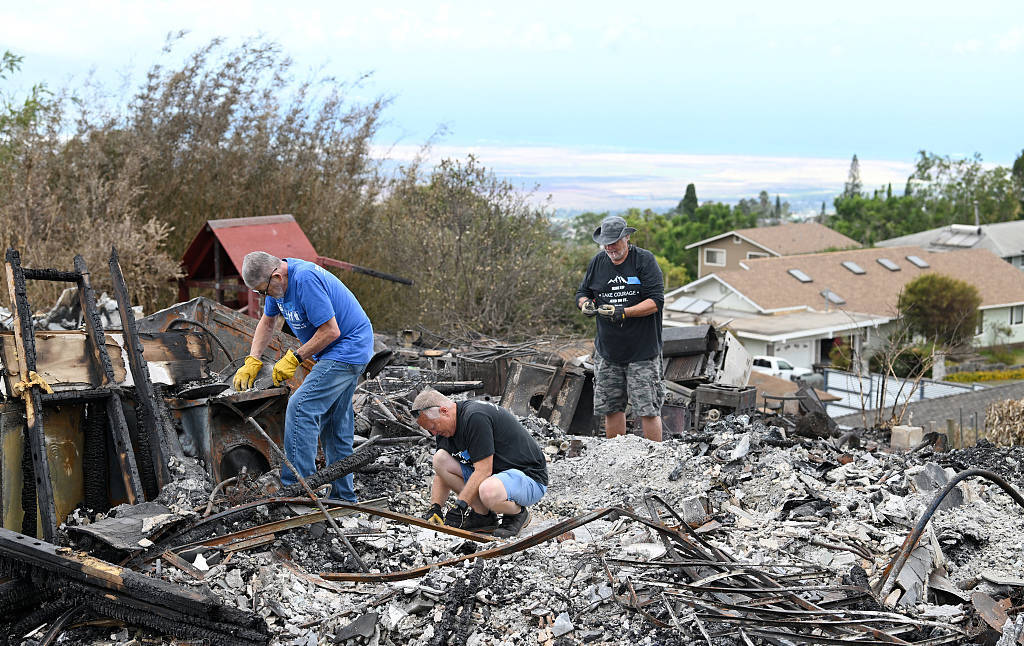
(363, 626)
(905, 438)
(562, 625)
(933, 479)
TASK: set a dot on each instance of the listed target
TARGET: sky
(610, 105)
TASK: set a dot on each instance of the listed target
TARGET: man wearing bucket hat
(623, 288)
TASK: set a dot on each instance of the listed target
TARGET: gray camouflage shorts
(642, 380)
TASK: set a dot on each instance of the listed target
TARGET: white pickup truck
(779, 367)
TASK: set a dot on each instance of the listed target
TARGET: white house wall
(999, 317)
(798, 352)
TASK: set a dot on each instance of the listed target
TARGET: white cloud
(969, 46)
(608, 179)
(1011, 41)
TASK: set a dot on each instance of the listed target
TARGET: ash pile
(741, 527)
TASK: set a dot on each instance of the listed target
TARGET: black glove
(435, 515)
(457, 515)
(614, 313)
(589, 308)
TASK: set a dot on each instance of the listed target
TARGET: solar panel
(832, 297)
(854, 267)
(918, 261)
(680, 304)
(689, 305)
(799, 275)
(698, 306)
(888, 264)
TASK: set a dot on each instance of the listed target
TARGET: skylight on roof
(920, 262)
(833, 297)
(799, 275)
(888, 264)
(854, 267)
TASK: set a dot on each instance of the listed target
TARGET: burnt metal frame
(25, 340)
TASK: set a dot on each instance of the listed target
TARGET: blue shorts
(521, 488)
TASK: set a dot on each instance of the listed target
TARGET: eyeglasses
(263, 292)
(417, 411)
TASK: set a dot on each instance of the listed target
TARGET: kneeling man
(487, 458)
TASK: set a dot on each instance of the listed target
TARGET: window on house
(918, 261)
(854, 267)
(714, 257)
(833, 297)
(1017, 315)
(756, 254)
(799, 275)
(888, 264)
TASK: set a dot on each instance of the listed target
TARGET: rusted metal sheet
(547, 391)
(64, 450)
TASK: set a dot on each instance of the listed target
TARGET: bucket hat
(613, 228)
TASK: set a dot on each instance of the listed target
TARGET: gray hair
(429, 398)
(257, 267)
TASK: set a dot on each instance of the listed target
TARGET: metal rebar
(892, 570)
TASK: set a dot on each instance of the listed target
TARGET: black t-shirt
(483, 429)
(636, 279)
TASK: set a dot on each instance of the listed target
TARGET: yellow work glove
(285, 368)
(246, 375)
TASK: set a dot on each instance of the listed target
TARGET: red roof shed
(214, 257)
(213, 260)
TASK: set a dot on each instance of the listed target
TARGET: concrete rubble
(837, 515)
(742, 527)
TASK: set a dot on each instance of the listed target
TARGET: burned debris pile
(742, 527)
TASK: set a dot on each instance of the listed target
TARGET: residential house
(725, 252)
(1004, 239)
(795, 306)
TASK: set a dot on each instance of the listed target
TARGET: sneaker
(512, 524)
(475, 522)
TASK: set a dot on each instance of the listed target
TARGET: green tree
(481, 254)
(688, 205)
(1017, 173)
(949, 189)
(942, 309)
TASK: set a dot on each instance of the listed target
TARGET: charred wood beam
(323, 261)
(115, 413)
(112, 591)
(25, 339)
(365, 454)
(54, 275)
(150, 438)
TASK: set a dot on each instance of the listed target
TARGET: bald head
(435, 413)
(430, 398)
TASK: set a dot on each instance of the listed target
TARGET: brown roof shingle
(769, 283)
(798, 238)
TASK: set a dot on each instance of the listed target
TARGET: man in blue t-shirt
(335, 332)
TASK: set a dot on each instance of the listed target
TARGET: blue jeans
(322, 408)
